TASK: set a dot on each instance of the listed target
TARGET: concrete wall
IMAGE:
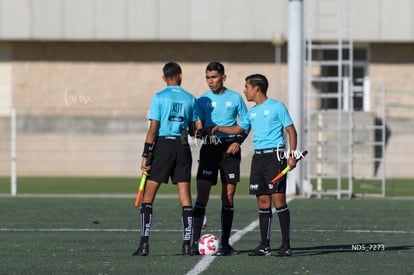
(5, 78)
(76, 81)
(142, 20)
(82, 107)
(83, 78)
(189, 20)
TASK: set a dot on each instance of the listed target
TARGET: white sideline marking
(232, 239)
(207, 260)
(70, 230)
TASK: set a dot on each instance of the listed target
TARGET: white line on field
(232, 239)
(207, 260)
(71, 230)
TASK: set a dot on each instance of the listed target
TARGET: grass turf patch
(95, 185)
(97, 236)
(124, 185)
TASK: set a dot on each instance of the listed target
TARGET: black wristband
(199, 133)
(241, 137)
(148, 147)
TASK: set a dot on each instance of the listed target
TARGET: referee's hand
(214, 130)
(292, 162)
(145, 166)
(233, 148)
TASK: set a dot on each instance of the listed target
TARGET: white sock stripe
(228, 208)
(265, 211)
(282, 209)
(142, 224)
(269, 228)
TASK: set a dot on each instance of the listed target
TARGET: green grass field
(97, 236)
(74, 235)
(119, 185)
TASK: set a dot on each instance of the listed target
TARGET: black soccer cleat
(186, 250)
(261, 250)
(142, 250)
(194, 248)
(227, 250)
(284, 252)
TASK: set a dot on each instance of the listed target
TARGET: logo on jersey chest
(176, 112)
(177, 108)
(227, 103)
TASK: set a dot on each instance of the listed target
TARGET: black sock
(187, 223)
(227, 213)
(265, 221)
(198, 216)
(284, 221)
(146, 220)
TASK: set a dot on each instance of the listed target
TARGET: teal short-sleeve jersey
(221, 109)
(174, 108)
(267, 121)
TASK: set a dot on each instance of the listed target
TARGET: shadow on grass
(346, 248)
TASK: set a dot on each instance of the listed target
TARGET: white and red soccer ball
(208, 245)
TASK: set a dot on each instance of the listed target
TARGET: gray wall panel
(110, 20)
(47, 19)
(143, 20)
(395, 20)
(366, 26)
(175, 19)
(237, 22)
(269, 19)
(206, 25)
(78, 19)
(411, 21)
(187, 20)
(15, 19)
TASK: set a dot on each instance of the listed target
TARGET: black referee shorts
(214, 158)
(264, 167)
(172, 159)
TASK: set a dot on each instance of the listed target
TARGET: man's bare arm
(231, 130)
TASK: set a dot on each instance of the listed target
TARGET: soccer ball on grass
(208, 245)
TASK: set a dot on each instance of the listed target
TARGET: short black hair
(258, 80)
(171, 69)
(215, 66)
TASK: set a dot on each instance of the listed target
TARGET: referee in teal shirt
(172, 116)
(221, 153)
(268, 120)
